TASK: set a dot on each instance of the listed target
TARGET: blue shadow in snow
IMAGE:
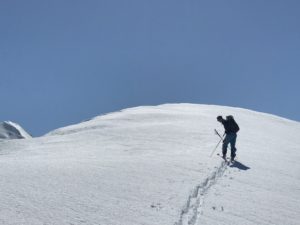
(239, 165)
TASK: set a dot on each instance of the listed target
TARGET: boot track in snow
(193, 208)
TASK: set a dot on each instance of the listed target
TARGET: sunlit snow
(151, 165)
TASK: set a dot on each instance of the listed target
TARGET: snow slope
(10, 130)
(151, 166)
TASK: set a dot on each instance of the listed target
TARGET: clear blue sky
(63, 61)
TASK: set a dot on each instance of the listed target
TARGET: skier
(231, 128)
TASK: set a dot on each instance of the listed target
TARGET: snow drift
(10, 130)
(151, 166)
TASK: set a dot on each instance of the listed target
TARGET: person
(231, 129)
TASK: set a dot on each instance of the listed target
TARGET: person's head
(219, 118)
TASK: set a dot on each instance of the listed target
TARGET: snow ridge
(11, 130)
(193, 208)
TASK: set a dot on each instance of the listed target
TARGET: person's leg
(225, 145)
(232, 146)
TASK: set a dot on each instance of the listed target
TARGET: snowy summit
(10, 130)
(152, 166)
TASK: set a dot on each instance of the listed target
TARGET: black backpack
(234, 127)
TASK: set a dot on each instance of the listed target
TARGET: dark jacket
(230, 126)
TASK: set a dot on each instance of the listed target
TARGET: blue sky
(63, 61)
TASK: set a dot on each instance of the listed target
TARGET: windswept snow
(151, 166)
(10, 130)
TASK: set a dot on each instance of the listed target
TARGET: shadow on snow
(239, 165)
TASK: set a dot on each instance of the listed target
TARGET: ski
(227, 159)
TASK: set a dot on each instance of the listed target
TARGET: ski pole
(215, 148)
(221, 139)
(217, 133)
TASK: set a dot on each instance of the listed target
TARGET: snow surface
(151, 166)
(10, 130)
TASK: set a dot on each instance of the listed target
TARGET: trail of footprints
(193, 207)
